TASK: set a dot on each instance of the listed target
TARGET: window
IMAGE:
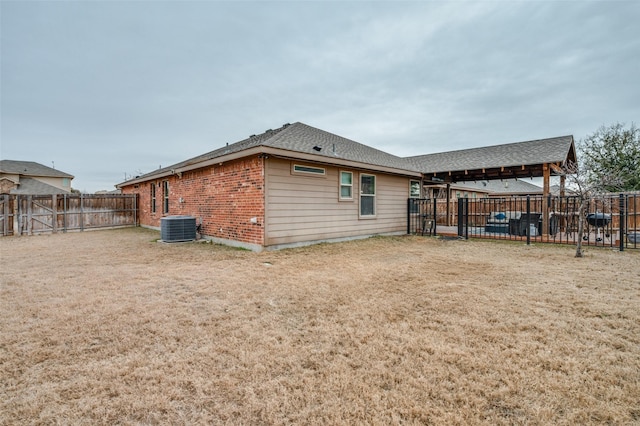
(367, 195)
(165, 195)
(414, 189)
(152, 188)
(297, 168)
(346, 186)
(66, 182)
(414, 192)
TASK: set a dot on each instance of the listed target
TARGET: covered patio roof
(535, 158)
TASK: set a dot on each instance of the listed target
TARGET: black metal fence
(611, 221)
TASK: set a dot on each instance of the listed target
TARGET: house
(298, 185)
(285, 187)
(30, 178)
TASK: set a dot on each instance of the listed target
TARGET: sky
(105, 90)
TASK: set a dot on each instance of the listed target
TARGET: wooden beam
(557, 169)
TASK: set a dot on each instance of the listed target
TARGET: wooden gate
(6, 215)
(37, 214)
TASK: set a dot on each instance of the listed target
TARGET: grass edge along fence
(38, 214)
(611, 221)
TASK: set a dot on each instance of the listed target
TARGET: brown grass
(111, 327)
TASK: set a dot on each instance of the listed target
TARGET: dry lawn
(111, 327)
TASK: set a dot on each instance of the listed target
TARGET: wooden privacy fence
(37, 214)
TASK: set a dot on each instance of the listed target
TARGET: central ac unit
(175, 229)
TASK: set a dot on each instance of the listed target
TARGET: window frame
(345, 185)
(152, 195)
(165, 196)
(373, 196)
(415, 207)
(299, 169)
(411, 182)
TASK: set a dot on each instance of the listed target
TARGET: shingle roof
(301, 138)
(539, 151)
(33, 186)
(30, 168)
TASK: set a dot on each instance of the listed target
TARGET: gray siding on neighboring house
(302, 208)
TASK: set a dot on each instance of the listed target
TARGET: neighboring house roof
(33, 186)
(520, 159)
(30, 168)
(299, 141)
(506, 186)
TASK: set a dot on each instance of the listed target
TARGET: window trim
(373, 196)
(165, 196)
(411, 182)
(152, 187)
(340, 185)
(301, 169)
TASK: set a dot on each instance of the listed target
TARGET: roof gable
(30, 168)
(298, 138)
(34, 186)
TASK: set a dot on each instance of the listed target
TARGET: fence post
(528, 228)
(408, 216)
(81, 213)
(623, 220)
(64, 213)
(54, 213)
(29, 214)
(435, 217)
(463, 218)
(5, 215)
(466, 218)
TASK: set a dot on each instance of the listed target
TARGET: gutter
(275, 152)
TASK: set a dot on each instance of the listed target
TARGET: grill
(598, 221)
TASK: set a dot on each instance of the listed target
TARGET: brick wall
(228, 198)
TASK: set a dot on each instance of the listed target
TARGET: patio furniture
(498, 222)
(526, 224)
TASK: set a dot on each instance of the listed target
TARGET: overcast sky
(108, 88)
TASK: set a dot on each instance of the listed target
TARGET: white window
(152, 188)
(414, 192)
(346, 186)
(367, 195)
(318, 171)
(165, 196)
(414, 189)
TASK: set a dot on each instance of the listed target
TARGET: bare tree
(587, 190)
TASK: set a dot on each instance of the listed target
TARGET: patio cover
(537, 158)
(514, 160)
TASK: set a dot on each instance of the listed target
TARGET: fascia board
(281, 153)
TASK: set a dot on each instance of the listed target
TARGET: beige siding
(301, 208)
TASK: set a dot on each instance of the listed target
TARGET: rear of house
(291, 186)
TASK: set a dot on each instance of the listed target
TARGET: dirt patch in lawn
(111, 327)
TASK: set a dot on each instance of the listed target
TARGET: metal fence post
(528, 228)
(408, 216)
(466, 218)
(623, 220)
